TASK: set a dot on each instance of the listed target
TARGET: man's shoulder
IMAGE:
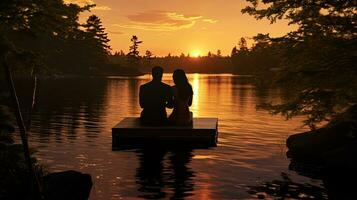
(165, 85)
(145, 85)
(155, 85)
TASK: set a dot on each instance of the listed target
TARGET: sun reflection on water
(196, 94)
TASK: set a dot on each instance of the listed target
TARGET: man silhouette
(154, 97)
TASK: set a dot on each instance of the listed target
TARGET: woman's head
(180, 77)
(183, 86)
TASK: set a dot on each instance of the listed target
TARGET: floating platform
(203, 131)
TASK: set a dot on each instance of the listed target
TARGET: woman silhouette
(182, 98)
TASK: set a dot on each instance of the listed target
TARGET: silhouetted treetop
(325, 17)
(243, 46)
(318, 60)
(51, 30)
(96, 32)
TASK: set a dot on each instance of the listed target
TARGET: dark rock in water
(340, 183)
(329, 154)
(343, 156)
(339, 180)
(335, 140)
(308, 168)
(69, 185)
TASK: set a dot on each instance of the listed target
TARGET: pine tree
(133, 49)
(234, 51)
(96, 33)
(243, 44)
(219, 53)
(148, 54)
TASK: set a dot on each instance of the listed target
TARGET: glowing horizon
(175, 27)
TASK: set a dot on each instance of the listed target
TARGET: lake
(71, 130)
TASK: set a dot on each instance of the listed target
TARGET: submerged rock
(69, 185)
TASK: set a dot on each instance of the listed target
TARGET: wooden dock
(204, 131)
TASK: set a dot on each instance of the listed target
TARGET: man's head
(157, 73)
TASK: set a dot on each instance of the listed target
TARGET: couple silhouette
(155, 96)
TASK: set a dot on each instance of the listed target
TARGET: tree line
(211, 63)
(260, 59)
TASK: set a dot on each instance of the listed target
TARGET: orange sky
(188, 26)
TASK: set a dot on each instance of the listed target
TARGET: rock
(340, 183)
(344, 156)
(69, 185)
(337, 134)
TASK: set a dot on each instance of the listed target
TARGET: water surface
(71, 129)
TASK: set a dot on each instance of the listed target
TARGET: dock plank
(130, 130)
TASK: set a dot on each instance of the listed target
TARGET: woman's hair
(183, 86)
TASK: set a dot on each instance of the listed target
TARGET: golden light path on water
(71, 130)
(196, 92)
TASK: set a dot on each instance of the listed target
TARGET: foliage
(259, 60)
(15, 179)
(51, 31)
(148, 54)
(318, 59)
(219, 53)
(97, 41)
(33, 34)
(133, 55)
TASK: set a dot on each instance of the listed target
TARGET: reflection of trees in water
(161, 170)
(133, 94)
(63, 105)
(262, 94)
(241, 86)
(287, 189)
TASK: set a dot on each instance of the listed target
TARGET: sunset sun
(196, 53)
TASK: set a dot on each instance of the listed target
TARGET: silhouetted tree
(133, 49)
(148, 57)
(234, 51)
(96, 41)
(243, 44)
(133, 54)
(96, 32)
(148, 54)
(31, 32)
(219, 53)
(318, 62)
(35, 37)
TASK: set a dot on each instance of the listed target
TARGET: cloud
(116, 32)
(88, 2)
(211, 21)
(161, 21)
(103, 8)
(80, 2)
